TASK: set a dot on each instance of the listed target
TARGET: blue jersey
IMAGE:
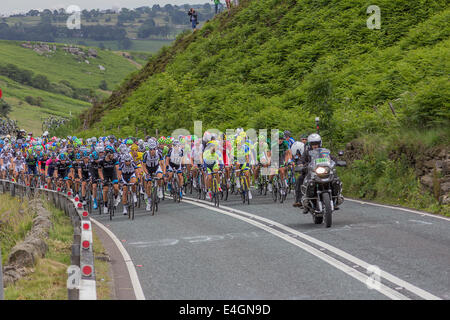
(290, 141)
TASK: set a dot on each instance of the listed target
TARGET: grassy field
(56, 67)
(64, 66)
(29, 116)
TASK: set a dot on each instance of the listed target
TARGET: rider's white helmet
(315, 138)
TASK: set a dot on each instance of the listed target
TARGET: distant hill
(43, 79)
(140, 29)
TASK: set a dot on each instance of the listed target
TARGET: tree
(33, 13)
(103, 85)
(5, 108)
(125, 44)
(41, 82)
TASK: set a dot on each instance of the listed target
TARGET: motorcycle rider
(314, 142)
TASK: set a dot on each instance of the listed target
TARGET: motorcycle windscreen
(321, 157)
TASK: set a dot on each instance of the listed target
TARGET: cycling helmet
(85, 154)
(62, 156)
(94, 155)
(287, 133)
(315, 139)
(152, 145)
(127, 157)
(109, 149)
(134, 147)
(123, 148)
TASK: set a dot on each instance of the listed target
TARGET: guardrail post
(13, 190)
(1, 276)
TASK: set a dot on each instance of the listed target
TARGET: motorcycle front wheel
(328, 212)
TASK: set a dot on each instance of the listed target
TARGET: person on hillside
(216, 6)
(193, 18)
(228, 2)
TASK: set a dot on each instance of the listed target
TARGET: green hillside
(64, 71)
(64, 66)
(281, 63)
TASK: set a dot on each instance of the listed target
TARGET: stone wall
(431, 165)
(24, 255)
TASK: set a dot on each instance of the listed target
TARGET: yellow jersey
(137, 158)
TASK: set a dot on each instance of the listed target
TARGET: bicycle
(215, 188)
(130, 200)
(154, 195)
(244, 190)
(224, 186)
(110, 199)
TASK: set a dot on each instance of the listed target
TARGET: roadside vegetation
(48, 280)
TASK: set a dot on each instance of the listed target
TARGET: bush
(103, 85)
(5, 108)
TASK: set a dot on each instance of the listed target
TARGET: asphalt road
(267, 250)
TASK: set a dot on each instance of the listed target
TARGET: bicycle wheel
(110, 203)
(281, 191)
(131, 206)
(247, 190)
(154, 200)
(274, 191)
(216, 191)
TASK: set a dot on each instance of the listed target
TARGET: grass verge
(49, 276)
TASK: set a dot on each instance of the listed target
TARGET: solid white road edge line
(422, 213)
(390, 293)
(420, 292)
(129, 263)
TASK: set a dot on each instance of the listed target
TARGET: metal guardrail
(83, 275)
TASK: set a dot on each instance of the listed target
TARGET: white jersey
(175, 154)
(19, 164)
(196, 153)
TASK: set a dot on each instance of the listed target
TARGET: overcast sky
(22, 6)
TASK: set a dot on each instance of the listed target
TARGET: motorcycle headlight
(322, 171)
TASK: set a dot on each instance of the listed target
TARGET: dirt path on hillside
(120, 53)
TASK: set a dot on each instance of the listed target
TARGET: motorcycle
(321, 188)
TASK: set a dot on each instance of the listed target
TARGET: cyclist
(173, 162)
(31, 163)
(63, 169)
(95, 167)
(242, 163)
(153, 163)
(108, 172)
(212, 160)
(84, 172)
(127, 174)
(284, 158)
(50, 166)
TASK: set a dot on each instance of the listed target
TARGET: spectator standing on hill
(216, 5)
(228, 2)
(193, 18)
